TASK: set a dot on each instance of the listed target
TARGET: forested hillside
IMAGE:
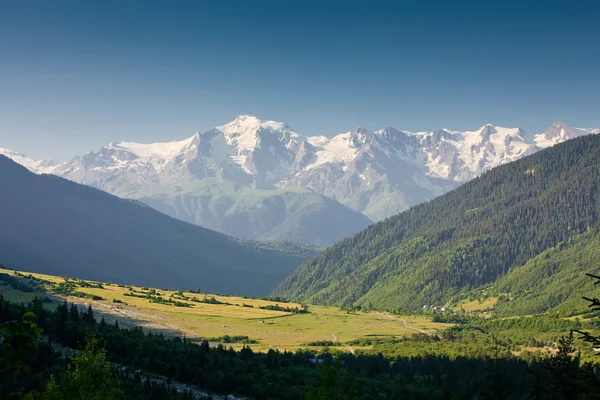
(51, 225)
(554, 280)
(463, 240)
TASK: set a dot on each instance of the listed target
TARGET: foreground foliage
(89, 377)
(274, 375)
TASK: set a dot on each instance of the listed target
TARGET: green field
(16, 296)
(270, 328)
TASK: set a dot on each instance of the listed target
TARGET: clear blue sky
(75, 75)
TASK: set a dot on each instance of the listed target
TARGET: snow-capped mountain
(29, 163)
(559, 132)
(461, 156)
(375, 173)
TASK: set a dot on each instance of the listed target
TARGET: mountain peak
(8, 164)
(243, 132)
(246, 118)
(488, 129)
(491, 129)
(152, 150)
(559, 131)
(244, 124)
(19, 158)
(359, 130)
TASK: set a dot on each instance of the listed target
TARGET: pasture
(272, 324)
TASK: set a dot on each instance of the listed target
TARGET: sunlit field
(239, 317)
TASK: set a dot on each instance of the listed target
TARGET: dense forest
(466, 239)
(33, 364)
(555, 280)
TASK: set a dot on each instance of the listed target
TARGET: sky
(77, 75)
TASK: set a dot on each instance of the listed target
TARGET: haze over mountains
(259, 179)
(52, 225)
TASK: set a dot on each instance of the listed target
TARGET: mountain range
(257, 179)
(52, 225)
(526, 232)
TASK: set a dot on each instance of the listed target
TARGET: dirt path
(414, 329)
(392, 318)
(127, 316)
(334, 337)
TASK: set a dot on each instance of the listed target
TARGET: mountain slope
(555, 280)
(29, 163)
(464, 239)
(49, 224)
(294, 214)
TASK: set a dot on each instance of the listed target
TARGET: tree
(563, 367)
(17, 348)
(88, 377)
(594, 306)
(401, 391)
(333, 385)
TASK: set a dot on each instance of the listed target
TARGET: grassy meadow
(269, 328)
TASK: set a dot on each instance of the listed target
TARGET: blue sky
(76, 75)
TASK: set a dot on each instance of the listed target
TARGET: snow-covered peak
(19, 158)
(378, 173)
(559, 132)
(588, 130)
(339, 149)
(391, 131)
(486, 131)
(243, 132)
(153, 150)
(29, 163)
(463, 155)
(249, 124)
(269, 154)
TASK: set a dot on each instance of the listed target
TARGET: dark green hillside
(51, 225)
(554, 280)
(465, 239)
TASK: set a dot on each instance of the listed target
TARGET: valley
(275, 324)
(279, 200)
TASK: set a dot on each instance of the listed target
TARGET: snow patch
(339, 149)
(19, 158)
(153, 150)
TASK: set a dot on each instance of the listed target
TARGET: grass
(479, 306)
(17, 296)
(272, 329)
